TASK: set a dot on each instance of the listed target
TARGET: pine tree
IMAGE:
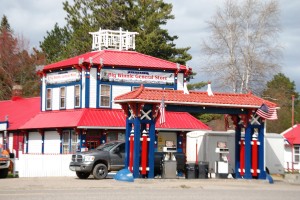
(280, 90)
(143, 16)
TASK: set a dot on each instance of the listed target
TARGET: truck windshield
(106, 146)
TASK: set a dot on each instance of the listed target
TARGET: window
(49, 99)
(65, 142)
(104, 95)
(62, 102)
(77, 96)
(74, 141)
(69, 139)
(296, 154)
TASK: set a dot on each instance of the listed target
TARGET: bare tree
(242, 51)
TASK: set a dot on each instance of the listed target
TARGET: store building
(76, 109)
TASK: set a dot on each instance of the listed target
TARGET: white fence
(43, 165)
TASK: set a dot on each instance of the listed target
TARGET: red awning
(107, 119)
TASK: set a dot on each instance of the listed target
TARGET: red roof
(292, 134)
(107, 118)
(181, 121)
(19, 111)
(195, 98)
(54, 119)
(130, 59)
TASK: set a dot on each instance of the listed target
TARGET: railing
(292, 167)
(109, 39)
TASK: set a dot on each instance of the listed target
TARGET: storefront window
(74, 140)
(77, 96)
(62, 103)
(48, 99)
(65, 142)
(69, 139)
(297, 154)
(104, 95)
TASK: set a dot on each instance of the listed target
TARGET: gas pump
(221, 165)
(169, 164)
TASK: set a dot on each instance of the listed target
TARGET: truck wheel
(3, 173)
(100, 171)
(82, 175)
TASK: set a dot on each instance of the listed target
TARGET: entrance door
(92, 144)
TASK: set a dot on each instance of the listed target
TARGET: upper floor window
(77, 96)
(297, 154)
(62, 102)
(104, 95)
(49, 99)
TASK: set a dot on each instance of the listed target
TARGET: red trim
(131, 151)
(254, 158)
(242, 158)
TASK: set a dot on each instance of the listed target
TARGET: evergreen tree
(143, 16)
(280, 90)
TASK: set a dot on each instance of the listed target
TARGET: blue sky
(32, 18)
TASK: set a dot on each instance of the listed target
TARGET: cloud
(33, 18)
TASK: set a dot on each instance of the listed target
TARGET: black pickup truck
(111, 157)
(105, 158)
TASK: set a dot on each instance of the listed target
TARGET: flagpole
(293, 100)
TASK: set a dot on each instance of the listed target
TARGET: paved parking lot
(142, 189)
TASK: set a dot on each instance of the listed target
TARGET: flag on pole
(266, 112)
(162, 111)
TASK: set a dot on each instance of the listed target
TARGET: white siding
(52, 142)
(180, 81)
(93, 87)
(44, 94)
(70, 97)
(35, 142)
(55, 99)
(83, 90)
(118, 90)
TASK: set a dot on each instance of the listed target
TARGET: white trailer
(207, 142)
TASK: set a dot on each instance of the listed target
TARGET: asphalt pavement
(68, 188)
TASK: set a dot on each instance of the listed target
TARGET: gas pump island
(141, 108)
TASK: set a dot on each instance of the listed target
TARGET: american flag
(266, 112)
(162, 111)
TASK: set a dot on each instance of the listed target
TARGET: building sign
(134, 76)
(63, 77)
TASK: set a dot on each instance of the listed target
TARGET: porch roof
(91, 118)
(18, 111)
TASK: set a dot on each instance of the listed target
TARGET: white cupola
(109, 39)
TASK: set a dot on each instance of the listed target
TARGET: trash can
(191, 171)
(203, 170)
